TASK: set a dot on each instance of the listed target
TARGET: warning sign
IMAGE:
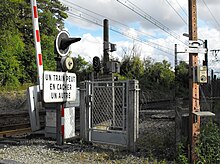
(59, 86)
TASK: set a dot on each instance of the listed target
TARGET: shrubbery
(208, 146)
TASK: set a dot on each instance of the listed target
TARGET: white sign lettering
(59, 86)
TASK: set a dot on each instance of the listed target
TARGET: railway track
(20, 131)
(15, 123)
(19, 123)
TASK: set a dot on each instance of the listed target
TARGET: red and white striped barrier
(37, 43)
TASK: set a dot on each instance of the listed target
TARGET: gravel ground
(32, 150)
(36, 151)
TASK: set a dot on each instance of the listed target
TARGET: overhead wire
(184, 21)
(149, 42)
(118, 22)
(185, 13)
(181, 8)
(72, 8)
(149, 18)
(80, 16)
(96, 19)
(215, 20)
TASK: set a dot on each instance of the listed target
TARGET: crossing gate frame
(109, 112)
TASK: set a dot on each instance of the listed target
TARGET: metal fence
(163, 120)
(157, 125)
(112, 98)
(109, 112)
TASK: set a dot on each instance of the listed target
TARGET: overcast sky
(170, 15)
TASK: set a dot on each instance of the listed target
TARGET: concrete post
(133, 114)
(82, 109)
(85, 111)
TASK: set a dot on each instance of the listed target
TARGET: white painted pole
(36, 32)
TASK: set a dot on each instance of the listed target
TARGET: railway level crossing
(57, 94)
(56, 89)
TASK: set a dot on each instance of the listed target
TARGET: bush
(208, 145)
(181, 154)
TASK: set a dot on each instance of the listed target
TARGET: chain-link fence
(109, 112)
(112, 98)
(210, 99)
(157, 125)
(163, 119)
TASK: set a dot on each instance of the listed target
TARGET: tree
(17, 47)
(158, 75)
(82, 69)
(132, 67)
(51, 15)
(182, 79)
(11, 45)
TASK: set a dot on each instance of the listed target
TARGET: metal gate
(109, 112)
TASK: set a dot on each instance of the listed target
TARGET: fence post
(84, 110)
(133, 114)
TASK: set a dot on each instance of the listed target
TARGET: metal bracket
(199, 50)
(204, 113)
(195, 44)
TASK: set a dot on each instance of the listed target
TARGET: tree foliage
(82, 69)
(17, 49)
(158, 77)
(182, 79)
(132, 67)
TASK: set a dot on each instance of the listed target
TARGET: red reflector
(35, 12)
(40, 59)
(62, 130)
(62, 111)
(38, 35)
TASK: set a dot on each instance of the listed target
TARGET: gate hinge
(88, 98)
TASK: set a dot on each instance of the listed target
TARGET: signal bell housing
(62, 43)
(202, 74)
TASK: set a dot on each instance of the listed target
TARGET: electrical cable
(149, 43)
(215, 20)
(149, 18)
(118, 22)
(138, 31)
(176, 12)
(122, 33)
(182, 8)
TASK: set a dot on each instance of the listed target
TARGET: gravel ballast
(37, 151)
(154, 142)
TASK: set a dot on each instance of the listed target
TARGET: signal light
(96, 63)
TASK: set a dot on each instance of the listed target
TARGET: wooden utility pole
(194, 106)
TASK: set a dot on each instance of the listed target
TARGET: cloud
(88, 47)
(114, 10)
(91, 44)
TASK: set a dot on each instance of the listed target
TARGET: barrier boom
(36, 32)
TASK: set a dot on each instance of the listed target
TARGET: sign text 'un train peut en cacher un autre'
(59, 86)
